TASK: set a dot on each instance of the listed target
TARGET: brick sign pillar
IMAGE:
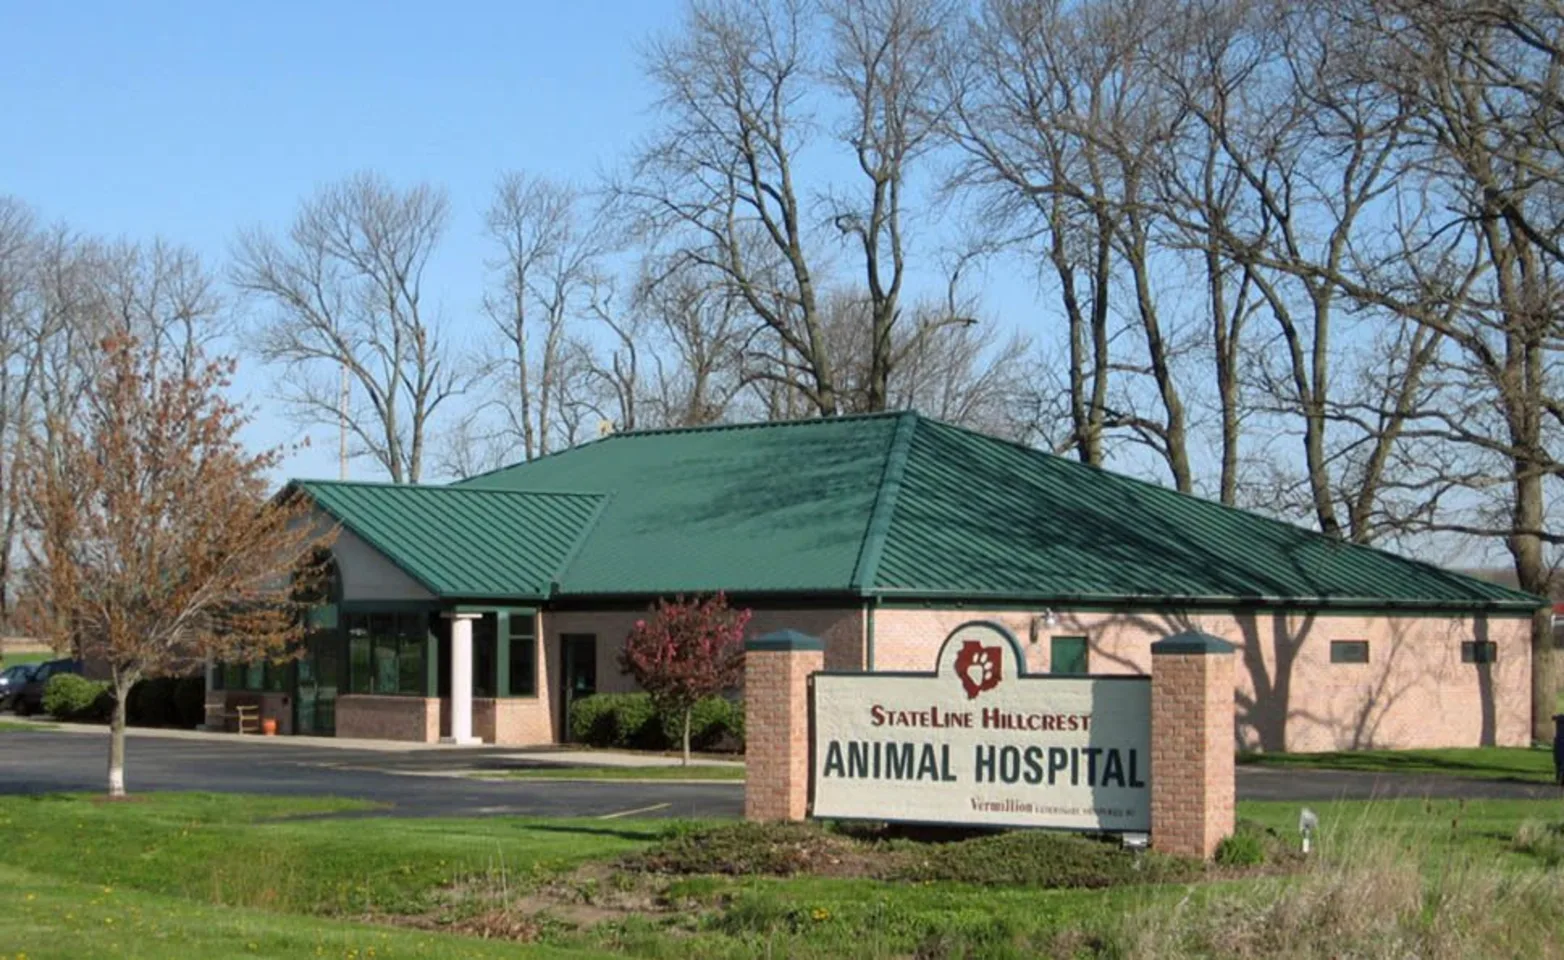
(776, 724)
(1192, 743)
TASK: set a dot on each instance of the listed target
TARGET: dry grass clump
(1371, 896)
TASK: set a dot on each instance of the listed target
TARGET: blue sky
(190, 120)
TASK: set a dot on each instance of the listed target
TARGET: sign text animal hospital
(980, 742)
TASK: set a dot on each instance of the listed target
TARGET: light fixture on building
(1048, 619)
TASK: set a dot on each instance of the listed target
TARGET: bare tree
(884, 62)
(1478, 257)
(548, 254)
(1055, 109)
(717, 184)
(19, 358)
(345, 292)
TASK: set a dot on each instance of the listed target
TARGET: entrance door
(315, 703)
(579, 677)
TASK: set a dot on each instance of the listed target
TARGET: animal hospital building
(480, 610)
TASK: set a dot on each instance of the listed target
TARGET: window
(252, 677)
(1349, 651)
(387, 653)
(523, 658)
(1068, 655)
(1479, 651)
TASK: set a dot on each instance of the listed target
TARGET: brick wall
(776, 715)
(1192, 777)
(388, 718)
(1414, 692)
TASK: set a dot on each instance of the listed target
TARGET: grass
(15, 659)
(694, 771)
(19, 726)
(194, 875)
(46, 918)
(1532, 765)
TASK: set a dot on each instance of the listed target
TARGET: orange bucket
(269, 726)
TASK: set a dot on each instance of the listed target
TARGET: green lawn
(196, 875)
(1484, 763)
(14, 659)
(44, 917)
(19, 726)
(695, 771)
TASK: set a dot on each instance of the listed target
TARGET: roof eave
(1213, 602)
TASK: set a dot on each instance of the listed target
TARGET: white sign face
(979, 742)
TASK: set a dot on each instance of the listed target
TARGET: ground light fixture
(1308, 823)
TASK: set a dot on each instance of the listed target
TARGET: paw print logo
(979, 667)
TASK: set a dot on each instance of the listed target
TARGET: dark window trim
(1339, 652)
(1470, 654)
(528, 636)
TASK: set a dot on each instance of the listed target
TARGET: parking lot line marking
(627, 813)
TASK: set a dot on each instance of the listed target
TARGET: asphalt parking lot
(435, 782)
(417, 783)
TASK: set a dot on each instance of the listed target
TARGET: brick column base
(1192, 743)
(777, 667)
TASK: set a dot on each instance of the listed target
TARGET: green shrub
(1242, 849)
(635, 723)
(613, 720)
(69, 697)
(745, 849)
(632, 721)
(1036, 858)
(714, 721)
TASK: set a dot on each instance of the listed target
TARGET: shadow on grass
(1494, 764)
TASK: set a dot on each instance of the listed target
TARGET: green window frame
(260, 676)
(1349, 651)
(388, 653)
(1069, 656)
(522, 679)
(1479, 651)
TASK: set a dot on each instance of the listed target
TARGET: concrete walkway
(541, 755)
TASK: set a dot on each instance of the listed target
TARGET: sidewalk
(541, 755)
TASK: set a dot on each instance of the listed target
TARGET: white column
(461, 678)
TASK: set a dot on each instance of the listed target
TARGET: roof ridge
(758, 424)
(1329, 541)
(522, 463)
(886, 497)
(702, 428)
(446, 488)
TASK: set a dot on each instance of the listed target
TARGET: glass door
(315, 704)
(578, 679)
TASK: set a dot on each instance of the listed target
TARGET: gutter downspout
(868, 633)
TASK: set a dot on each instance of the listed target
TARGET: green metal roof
(889, 505)
(464, 542)
(981, 516)
(754, 508)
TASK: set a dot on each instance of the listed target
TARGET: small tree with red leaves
(686, 650)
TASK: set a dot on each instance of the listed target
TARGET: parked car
(29, 699)
(11, 680)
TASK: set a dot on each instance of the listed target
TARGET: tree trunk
(688, 712)
(117, 741)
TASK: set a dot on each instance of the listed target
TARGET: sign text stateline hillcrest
(980, 742)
